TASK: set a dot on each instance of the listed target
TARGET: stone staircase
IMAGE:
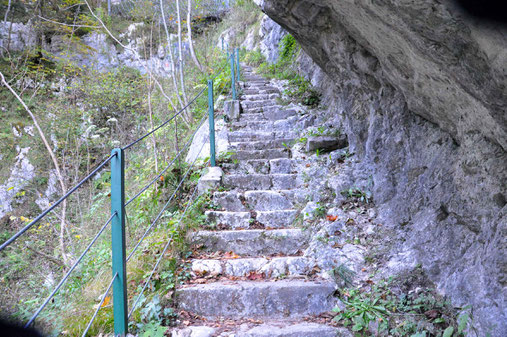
(268, 279)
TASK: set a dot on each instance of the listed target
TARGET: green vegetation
(357, 194)
(300, 89)
(384, 308)
(86, 113)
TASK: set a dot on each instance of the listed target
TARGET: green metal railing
(121, 313)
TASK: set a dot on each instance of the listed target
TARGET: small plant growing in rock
(227, 158)
(386, 309)
(320, 211)
(343, 275)
(355, 193)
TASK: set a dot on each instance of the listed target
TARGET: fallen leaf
(106, 301)
(308, 165)
(231, 255)
(254, 276)
(332, 217)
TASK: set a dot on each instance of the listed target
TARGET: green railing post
(120, 306)
(211, 111)
(237, 64)
(233, 78)
(222, 43)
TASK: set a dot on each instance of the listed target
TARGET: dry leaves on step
(254, 276)
(332, 217)
(231, 255)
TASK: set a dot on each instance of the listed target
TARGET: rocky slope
(420, 91)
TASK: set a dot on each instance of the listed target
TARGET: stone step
(287, 298)
(297, 330)
(256, 84)
(262, 181)
(262, 154)
(271, 328)
(279, 114)
(230, 219)
(246, 105)
(243, 136)
(245, 219)
(267, 268)
(267, 200)
(273, 166)
(252, 135)
(262, 144)
(264, 125)
(262, 108)
(251, 117)
(264, 90)
(258, 97)
(253, 242)
(248, 77)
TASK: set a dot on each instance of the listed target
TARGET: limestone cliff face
(421, 92)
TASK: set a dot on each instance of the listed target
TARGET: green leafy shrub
(254, 58)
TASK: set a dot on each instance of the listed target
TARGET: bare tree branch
(55, 163)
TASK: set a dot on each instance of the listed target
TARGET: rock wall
(420, 91)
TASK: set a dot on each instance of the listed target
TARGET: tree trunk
(180, 63)
(5, 26)
(189, 32)
(170, 52)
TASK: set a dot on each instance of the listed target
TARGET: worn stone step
(246, 105)
(262, 108)
(267, 200)
(262, 154)
(276, 219)
(256, 84)
(288, 298)
(245, 219)
(296, 330)
(262, 181)
(264, 125)
(253, 242)
(249, 77)
(257, 97)
(279, 114)
(287, 266)
(230, 201)
(273, 166)
(264, 90)
(262, 144)
(282, 165)
(248, 135)
(230, 219)
(271, 328)
(248, 181)
(251, 117)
